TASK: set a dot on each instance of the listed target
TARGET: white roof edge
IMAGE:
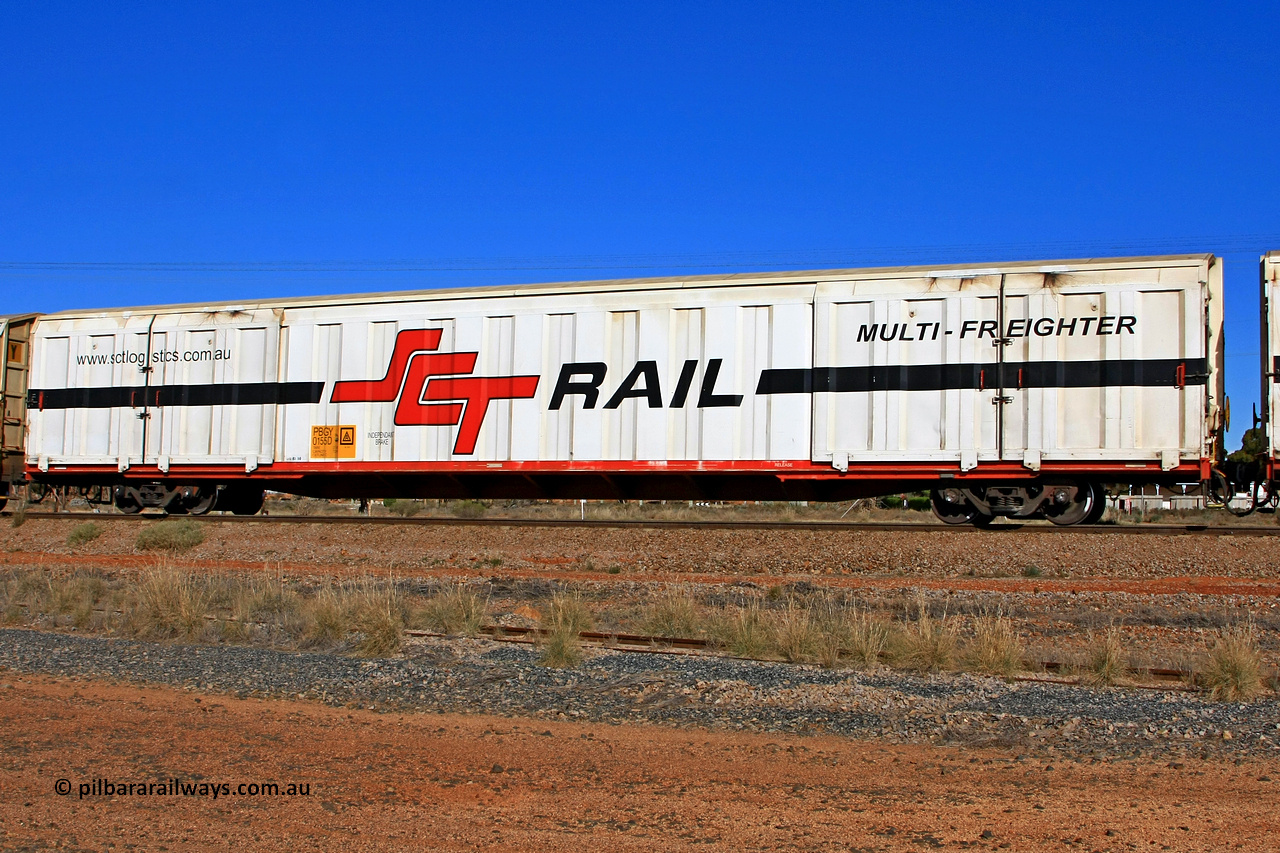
(789, 277)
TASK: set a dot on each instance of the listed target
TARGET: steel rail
(643, 643)
(660, 524)
(690, 646)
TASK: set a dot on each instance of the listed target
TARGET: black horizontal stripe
(1146, 373)
(227, 394)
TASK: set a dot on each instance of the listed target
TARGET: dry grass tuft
(1106, 662)
(262, 607)
(455, 609)
(561, 650)
(167, 604)
(326, 618)
(563, 620)
(833, 630)
(673, 614)
(744, 632)
(173, 536)
(868, 639)
(378, 616)
(1233, 672)
(794, 634)
(926, 645)
(76, 598)
(25, 596)
(995, 649)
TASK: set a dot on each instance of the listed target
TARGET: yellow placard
(333, 442)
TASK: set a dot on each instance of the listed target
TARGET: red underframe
(783, 469)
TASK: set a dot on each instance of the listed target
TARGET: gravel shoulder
(442, 675)
(408, 780)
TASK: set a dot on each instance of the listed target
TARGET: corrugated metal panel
(1028, 363)
(641, 285)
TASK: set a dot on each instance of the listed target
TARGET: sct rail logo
(433, 389)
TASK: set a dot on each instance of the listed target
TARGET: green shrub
(175, 536)
(919, 503)
(404, 509)
(83, 534)
(468, 509)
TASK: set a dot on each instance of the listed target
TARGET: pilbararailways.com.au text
(181, 788)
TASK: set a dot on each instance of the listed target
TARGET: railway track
(1143, 678)
(659, 524)
(1033, 670)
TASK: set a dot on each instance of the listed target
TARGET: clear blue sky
(160, 152)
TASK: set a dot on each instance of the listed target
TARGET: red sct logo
(432, 389)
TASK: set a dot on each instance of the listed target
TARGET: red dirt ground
(1260, 587)
(442, 782)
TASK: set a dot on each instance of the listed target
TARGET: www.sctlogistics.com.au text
(182, 788)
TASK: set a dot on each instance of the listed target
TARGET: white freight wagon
(1011, 389)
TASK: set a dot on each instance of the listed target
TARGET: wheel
(36, 492)
(250, 502)
(196, 500)
(1099, 505)
(981, 519)
(125, 502)
(1071, 504)
(951, 507)
(201, 501)
(240, 500)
